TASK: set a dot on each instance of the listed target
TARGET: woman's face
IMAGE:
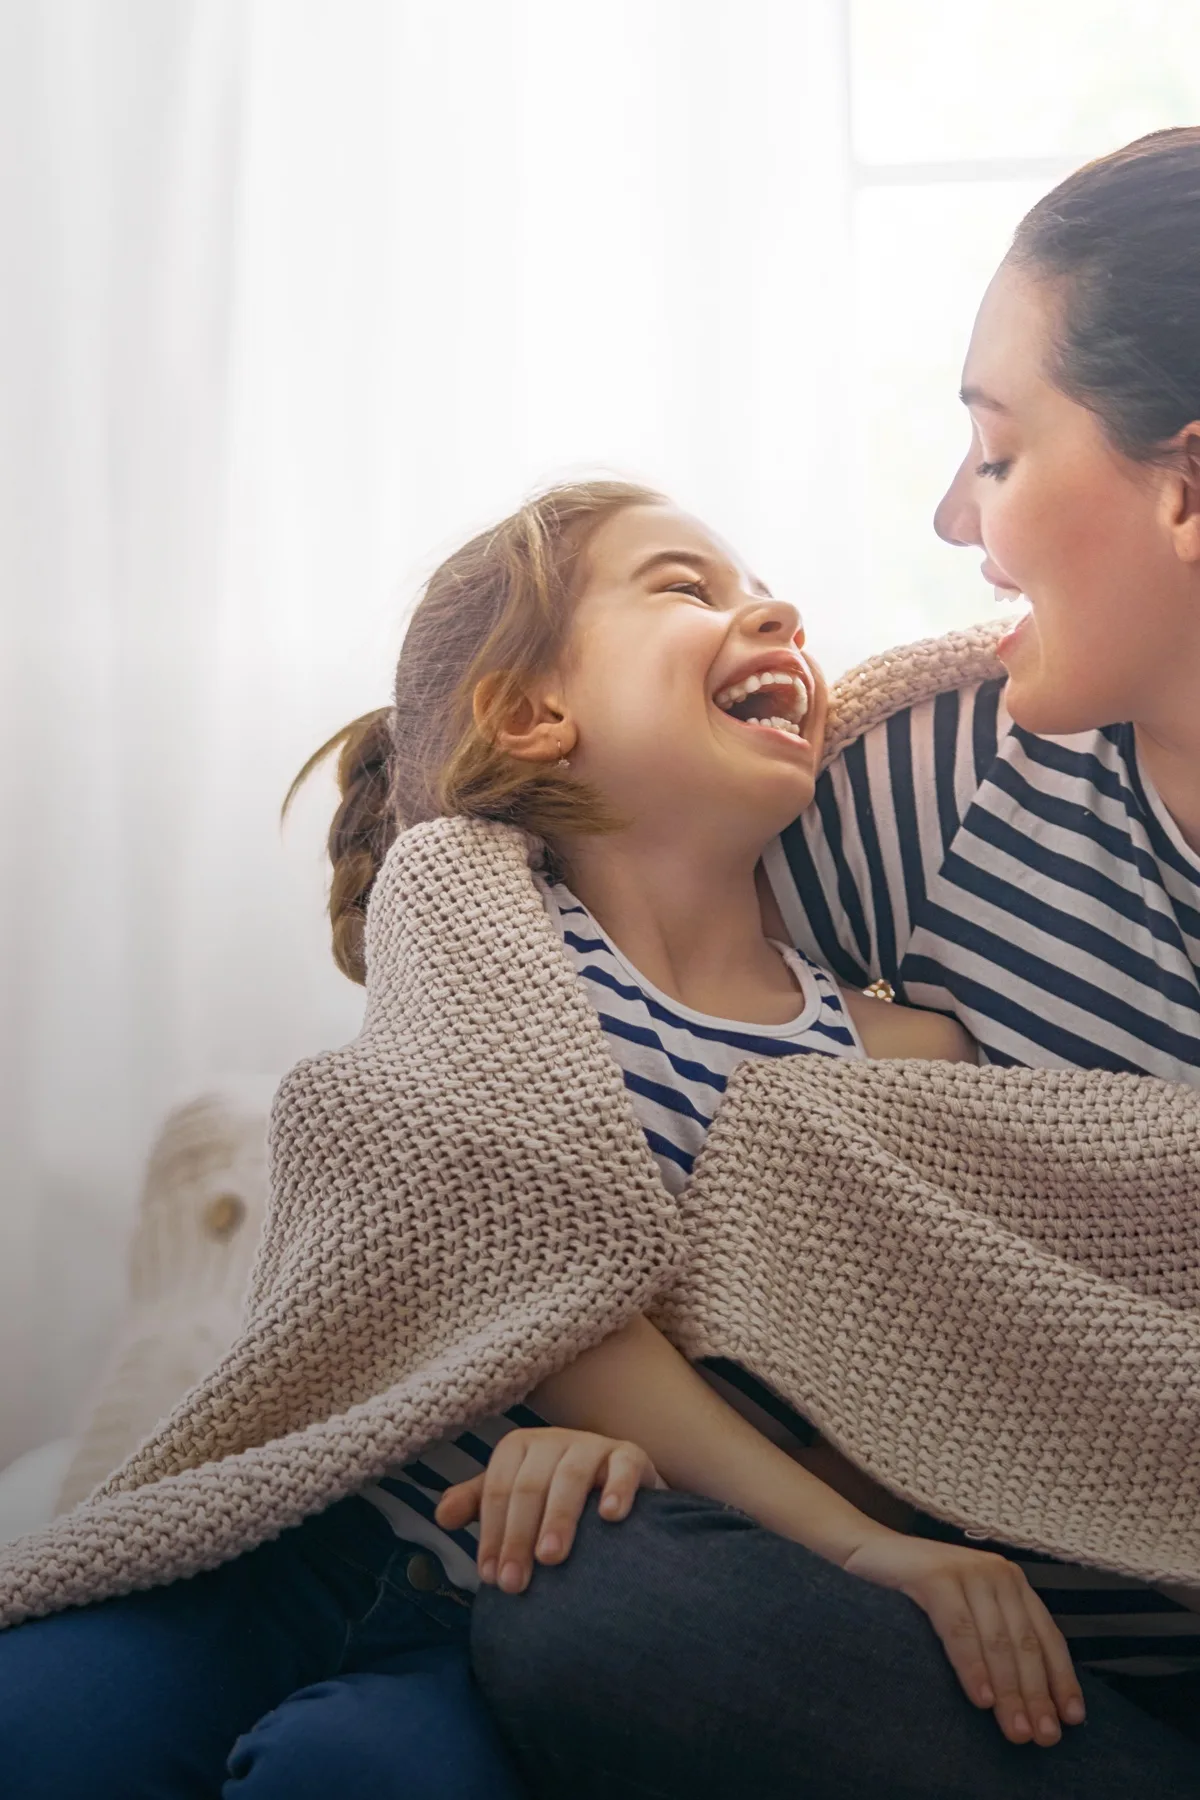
(668, 620)
(1086, 535)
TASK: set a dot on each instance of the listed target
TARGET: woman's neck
(687, 918)
(1172, 764)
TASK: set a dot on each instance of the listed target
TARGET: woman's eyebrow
(975, 396)
(694, 558)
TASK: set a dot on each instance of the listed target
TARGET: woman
(1025, 855)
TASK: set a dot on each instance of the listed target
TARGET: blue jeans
(331, 1661)
(687, 1653)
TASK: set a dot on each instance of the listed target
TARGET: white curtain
(296, 293)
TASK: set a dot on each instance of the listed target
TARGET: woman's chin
(1047, 705)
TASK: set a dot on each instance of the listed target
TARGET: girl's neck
(688, 919)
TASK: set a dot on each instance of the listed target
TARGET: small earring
(562, 762)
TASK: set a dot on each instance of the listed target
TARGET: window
(960, 118)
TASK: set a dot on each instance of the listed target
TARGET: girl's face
(669, 620)
(1091, 539)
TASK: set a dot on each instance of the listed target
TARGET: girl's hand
(533, 1491)
(1005, 1648)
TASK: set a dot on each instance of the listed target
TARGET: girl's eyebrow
(696, 559)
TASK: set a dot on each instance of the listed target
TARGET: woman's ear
(530, 726)
(1183, 494)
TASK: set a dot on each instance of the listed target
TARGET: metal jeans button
(423, 1573)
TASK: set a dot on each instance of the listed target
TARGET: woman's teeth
(729, 697)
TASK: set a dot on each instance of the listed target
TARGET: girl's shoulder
(888, 1030)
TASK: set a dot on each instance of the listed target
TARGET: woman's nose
(956, 519)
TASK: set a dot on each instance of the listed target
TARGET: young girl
(604, 671)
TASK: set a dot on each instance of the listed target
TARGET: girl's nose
(781, 617)
(956, 519)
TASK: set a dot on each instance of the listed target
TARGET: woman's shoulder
(909, 678)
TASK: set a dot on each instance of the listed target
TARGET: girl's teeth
(779, 724)
(771, 678)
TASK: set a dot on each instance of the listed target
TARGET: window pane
(1019, 78)
(923, 258)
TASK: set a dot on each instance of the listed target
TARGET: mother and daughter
(675, 1587)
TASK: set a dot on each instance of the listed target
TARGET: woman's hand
(1005, 1648)
(529, 1498)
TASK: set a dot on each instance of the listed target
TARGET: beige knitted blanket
(982, 1285)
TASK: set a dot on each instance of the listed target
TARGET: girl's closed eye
(695, 586)
(995, 470)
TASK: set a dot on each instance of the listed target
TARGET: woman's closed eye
(995, 470)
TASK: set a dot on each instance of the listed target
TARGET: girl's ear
(532, 728)
(1183, 494)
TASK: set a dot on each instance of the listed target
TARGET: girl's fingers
(950, 1614)
(460, 1504)
(526, 1506)
(1064, 1682)
(1014, 1594)
(1000, 1655)
(1029, 1635)
(629, 1468)
(498, 1478)
(572, 1482)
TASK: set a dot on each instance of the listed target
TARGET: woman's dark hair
(1121, 239)
(493, 616)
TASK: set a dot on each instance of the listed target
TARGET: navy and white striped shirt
(1034, 887)
(1037, 889)
(676, 1063)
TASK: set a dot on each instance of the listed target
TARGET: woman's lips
(1013, 635)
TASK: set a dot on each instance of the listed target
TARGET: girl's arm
(888, 1030)
(635, 1388)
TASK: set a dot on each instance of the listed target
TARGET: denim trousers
(330, 1662)
(687, 1653)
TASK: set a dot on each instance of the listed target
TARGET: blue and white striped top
(1034, 887)
(1037, 889)
(676, 1063)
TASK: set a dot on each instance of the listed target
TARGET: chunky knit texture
(981, 1284)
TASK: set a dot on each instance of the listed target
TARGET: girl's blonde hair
(499, 607)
